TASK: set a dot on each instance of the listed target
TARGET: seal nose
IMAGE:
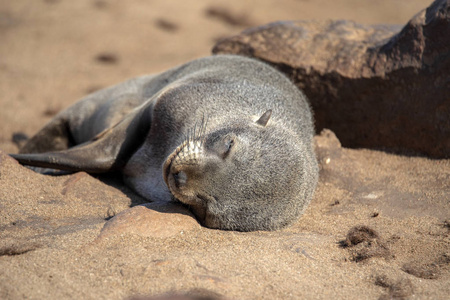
(180, 179)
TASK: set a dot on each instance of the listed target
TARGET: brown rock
(359, 234)
(327, 147)
(375, 86)
(151, 220)
(363, 243)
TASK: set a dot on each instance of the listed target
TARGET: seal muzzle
(180, 168)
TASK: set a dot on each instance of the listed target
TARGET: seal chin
(211, 221)
(195, 202)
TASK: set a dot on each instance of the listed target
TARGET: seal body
(228, 136)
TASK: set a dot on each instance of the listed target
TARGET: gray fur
(229, 136)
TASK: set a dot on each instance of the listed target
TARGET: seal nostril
(180, 179)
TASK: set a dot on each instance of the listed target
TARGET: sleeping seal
(228, 136)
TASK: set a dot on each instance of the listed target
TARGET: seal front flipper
(108, 151)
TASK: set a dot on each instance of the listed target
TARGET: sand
(378, 226)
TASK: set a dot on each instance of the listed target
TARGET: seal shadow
(115, 179)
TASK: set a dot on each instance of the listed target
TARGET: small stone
(151, 220)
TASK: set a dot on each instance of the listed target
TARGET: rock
(151, 220)
(375, 86)
(363, 243)
(327, 147)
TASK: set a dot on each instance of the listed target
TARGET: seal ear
(108, 151)
(264, 118)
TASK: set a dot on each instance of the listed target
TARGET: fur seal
(229, 136)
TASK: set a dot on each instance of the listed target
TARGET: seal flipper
(108, 151)
(55, 136)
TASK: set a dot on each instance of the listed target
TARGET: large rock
(374, 86)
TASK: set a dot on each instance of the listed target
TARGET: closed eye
(228, 146)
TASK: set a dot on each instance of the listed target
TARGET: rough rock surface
(374, 86)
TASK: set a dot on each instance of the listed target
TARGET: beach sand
(377, 228)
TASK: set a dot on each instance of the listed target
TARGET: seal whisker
(203, 130)
(194, 130)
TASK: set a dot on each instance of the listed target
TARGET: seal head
(236, 178)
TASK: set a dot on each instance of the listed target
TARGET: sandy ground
(54, 243)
